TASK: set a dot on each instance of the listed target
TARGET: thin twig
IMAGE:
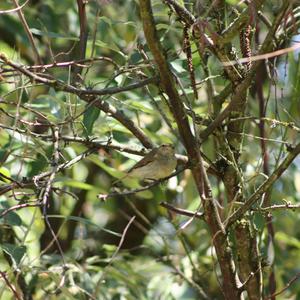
(103, 197)
(114, 254)
(8, 11)
(65, 165)
(264, 187)
(191, 282)
(28, 32)
(90, 96)
(12, 288)
(181, 211)
(67, 64)
(16, 207)
(296, 277)
(278, 207)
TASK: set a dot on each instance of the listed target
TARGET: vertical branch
(265, 186)
(38, 59)
(80, 49)
(188, 51)
(224, 253)
(266, 170)
(248, 259)
(45, 193)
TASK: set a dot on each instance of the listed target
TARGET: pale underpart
(157, 164)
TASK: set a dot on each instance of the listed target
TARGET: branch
(234, 28)
(274, 122)
(103, 197)
(264, 187)
(181, 211)
(111, 260)
(45, 192)
(296, 277)
(225, 256)
(80, 49)
(86, 96)
(115, 90)
(188, 18)
(8, 11)
(279, 207)
(191, 282)
(15, 185)
(182, 12)
(28, 32)
(244, 85)
(66, 64)
(16, 207)
(11, 287)
(93, 143)
(34, 182)
(62, 86)
(125, 121)
(65, 165)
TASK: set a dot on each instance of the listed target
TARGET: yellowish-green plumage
(157, 164)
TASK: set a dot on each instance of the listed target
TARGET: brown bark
(224, 253)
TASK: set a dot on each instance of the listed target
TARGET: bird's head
(166, 150)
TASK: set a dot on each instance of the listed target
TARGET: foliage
(84, 94)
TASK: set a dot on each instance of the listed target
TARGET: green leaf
(78, 184)
(5, 172)
(145, 194)
(259, 221)
(232, 2)
(11, 218)
(141, 106)
(287, 239)
(53, 35)
(84, 221)
(15, 252)
(89, 118)
(177, 65)
(39, 163)
(113, 47)
(111, 171)
(163, 26)
(4, 150)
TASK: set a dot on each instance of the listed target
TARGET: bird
(157, 164)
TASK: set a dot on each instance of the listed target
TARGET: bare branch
(86, 96)
(28, 32)
(8, 11)
(230, 285)
(11, 287)
(16, 207)
(296, 277)
(181, 211)
(103, 197)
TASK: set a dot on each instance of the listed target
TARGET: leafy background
(156, 260)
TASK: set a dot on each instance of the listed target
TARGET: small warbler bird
(157, 164)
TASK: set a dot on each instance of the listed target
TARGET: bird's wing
(144, 161)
